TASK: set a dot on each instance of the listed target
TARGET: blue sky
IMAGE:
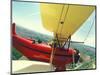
(28, 16)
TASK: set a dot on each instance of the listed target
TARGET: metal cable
(89, 30)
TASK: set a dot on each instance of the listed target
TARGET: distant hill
(32, 34)
(88, 50)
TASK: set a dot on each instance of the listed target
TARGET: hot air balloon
(63, 20)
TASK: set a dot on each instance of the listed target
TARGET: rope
(51, 58)
(69, 42)
(89, 30)
(69, 38)
(58, 40)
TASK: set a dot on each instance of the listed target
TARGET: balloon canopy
(64, 19)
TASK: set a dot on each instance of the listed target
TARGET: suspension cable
(69, 38)
(88, 33)
(69, 42)
(89, 30)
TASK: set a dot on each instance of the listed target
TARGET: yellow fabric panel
(63, 19)
(50, 15)
(75, 18)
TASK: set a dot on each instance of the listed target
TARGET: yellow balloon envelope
(64, 19)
